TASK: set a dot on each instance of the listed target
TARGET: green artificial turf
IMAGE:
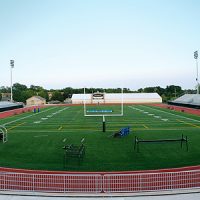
(35, 140)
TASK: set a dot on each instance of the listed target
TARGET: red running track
(179, 108)
(17, 111)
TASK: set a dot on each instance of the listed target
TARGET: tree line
(22, 92)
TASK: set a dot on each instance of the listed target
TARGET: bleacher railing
(99, 183)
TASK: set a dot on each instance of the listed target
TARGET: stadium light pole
(11, 67)
(197, 78)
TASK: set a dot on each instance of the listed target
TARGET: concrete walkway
(193, 196)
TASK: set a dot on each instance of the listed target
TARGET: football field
(35, 140)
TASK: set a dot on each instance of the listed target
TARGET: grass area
(35, 140)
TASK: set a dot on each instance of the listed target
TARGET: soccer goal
(3, 134)
(101, 104)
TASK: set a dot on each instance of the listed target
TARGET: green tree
(159, 90)
(27, 94)
(173, 91)
(164, 98)
(57, 96)
(4, 89)
(109, 90)
(36, 88)
(67, 92)
(141, 90)
(43, 93)
(149, 89)
(18, 90)
(126, 90)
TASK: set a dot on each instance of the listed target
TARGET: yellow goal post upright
(102, 113)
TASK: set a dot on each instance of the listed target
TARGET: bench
(123, 132)
(181, 140)
(74, 151)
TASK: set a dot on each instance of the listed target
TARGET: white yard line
(164, 120)
(172, 114)
(27, 116)
(157, 116)
(37, 122)
(40, 135)
(32, 115)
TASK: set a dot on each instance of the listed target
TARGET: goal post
(97, 105)
(3, 134)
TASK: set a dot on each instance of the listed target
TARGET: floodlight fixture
(12, 63)
(196, 55)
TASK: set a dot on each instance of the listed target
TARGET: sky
(99, 43)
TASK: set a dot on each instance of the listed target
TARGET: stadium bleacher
(6, 105)
(187, 100)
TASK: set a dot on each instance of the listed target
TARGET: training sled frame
(182, 140)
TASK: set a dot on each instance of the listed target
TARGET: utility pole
(11, 67)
